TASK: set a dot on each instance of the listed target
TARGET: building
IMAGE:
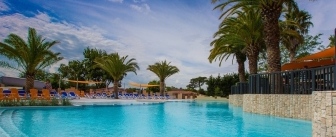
(18, 82)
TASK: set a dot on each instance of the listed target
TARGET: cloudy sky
(178, 31)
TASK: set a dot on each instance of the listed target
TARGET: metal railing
(240, 88)
(303, 81)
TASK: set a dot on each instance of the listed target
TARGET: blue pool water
(170, 119)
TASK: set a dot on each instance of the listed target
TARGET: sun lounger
(22, 94)
(64, 95)
(33, 94)
(54, 94)
(82, 94)
(72, 95)
(46, 94)
(167, 97)
(14, 95)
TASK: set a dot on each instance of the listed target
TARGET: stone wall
(324, 114)
(236, 100)
(291, 106)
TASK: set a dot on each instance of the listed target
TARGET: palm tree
(163, 70)
(117, 67)
(270, 13)
(248, 25)
(243, 33)
(221, 52)
(293, 29)
(28, 56)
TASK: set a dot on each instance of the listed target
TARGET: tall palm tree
(28, 56)
(249, 31)
(244, 32)
(293, 28)
(270, 13)
(163, 70)
(117, 67)
(222, 51)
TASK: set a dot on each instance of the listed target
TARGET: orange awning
(324, 54)
(322, 58)
(309, 64)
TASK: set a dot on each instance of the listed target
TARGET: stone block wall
(236, 100)
(290, 106)
(324, 114)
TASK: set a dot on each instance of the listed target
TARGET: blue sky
(178, 31)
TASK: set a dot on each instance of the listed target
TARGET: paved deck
(86, 101)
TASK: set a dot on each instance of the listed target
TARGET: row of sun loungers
(127, 96)
(15, 94)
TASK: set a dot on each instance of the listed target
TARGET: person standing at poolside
(48, 85)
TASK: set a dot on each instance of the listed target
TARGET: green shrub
(66, 102)
(32, 102)
(44, 103)
(54, 102)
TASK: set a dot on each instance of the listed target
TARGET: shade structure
(142, 85)
(322, 55)
(322, 58)
(83, 82)
(308, 64)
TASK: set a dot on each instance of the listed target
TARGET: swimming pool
(170, 119)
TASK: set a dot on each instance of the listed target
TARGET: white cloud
(54, 68)
(3, 6)
(73, 39)
(143, 8)
(177, 36)
(118, 1)
(322, 17)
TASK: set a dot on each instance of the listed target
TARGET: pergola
(322, 58)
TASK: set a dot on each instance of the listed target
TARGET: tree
(163, 70)
(211, 82)
(200, 82)
(224, 84)
(56, 81)
(40, 75)
(221, 52)
(192, 85)
(217, 92)
(93, 73)
(293, 29)
(117, 67)
(309, 46)
(154, 89)
(332, 41)
(270, 13)
(28, 56)
(74, 71)
(241, 34)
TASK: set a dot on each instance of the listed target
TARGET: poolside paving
(101, 101)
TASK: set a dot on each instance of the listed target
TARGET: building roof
(19, 82)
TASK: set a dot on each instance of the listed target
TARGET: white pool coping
(97, 101)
